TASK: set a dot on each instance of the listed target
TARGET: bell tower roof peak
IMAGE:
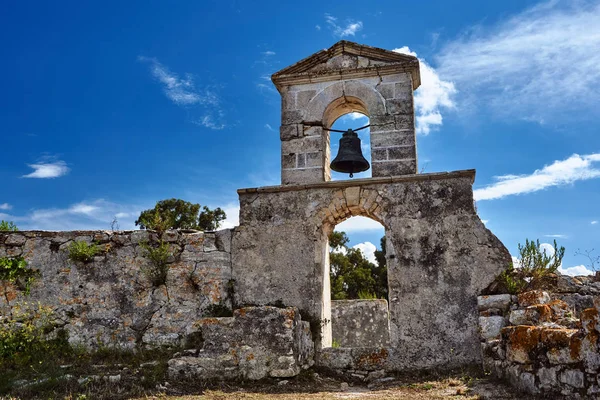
(347, 60)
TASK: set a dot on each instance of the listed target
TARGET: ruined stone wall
(440, 258)
(545, 343)
(360, 323)
(110, 300)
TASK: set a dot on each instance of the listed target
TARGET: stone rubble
(548, 344)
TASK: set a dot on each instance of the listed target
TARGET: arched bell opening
(344, 114)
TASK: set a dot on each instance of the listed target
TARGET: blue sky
(106, 108)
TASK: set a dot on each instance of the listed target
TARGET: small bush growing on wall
(82, 251)
(7, 226)
(159, 267)
(533, 265)
(15, 271)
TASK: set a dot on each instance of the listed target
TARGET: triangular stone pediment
(348, 58)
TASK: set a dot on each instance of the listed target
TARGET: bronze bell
(349, 158)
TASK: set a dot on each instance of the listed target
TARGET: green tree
(180, 214)
(352, 276)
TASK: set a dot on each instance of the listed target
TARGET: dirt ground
(331, 389)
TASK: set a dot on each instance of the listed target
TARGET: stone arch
(352, 202)
(344, 203)
(341, 98)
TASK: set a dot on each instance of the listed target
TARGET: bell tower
(345, 78)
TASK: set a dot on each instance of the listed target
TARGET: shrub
(533, 265)
(7, 226)
(23, 333)
(15, 271)
(159, 268)
(82, 251)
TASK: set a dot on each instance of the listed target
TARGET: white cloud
(434, 95)
(46, 170)
(180, 91)
(594, 222)
(357, 224)
(563, 172)
(368, 249)
(353, 116)
(209, 122)
(5, 206)
(183, 92)
(269, 127)
(83, 208)
(485, 221)
(318, 27)
(576, 270)
(556, 236)
(233, 216)
(268, 53)
(95, 214)
(342, 31)
(539, 65)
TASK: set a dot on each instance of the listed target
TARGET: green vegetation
(352, 275)
(335, 344)
(15, 271)
(532, 266)
(23, 335)
(7, 226)
(82, 251)
(180, 214)
(158, 254)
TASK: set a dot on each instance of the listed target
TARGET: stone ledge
(467, 173)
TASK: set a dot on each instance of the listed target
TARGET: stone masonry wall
(545, 343)
(255, 343)
(440, 258)
(360, 323)
(110, 301)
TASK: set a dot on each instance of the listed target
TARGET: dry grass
(327, 389)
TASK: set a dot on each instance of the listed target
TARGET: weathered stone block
(490, 327)
(518, 317)
(396, 106)
(314, 159)
(302, 145)
(15, 239)
(403, 91)
(304, 97)
(302, 176)
(533, 297)
(520, 342)
(548, 377)
(289, 132)
(386, 90)
(393, 168)
(392, 138)
(291, 117)
(288, 160)
(256, 342)
(401, 153)
(360, 323)
(573, 378)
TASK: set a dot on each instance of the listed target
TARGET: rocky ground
(309, 386)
